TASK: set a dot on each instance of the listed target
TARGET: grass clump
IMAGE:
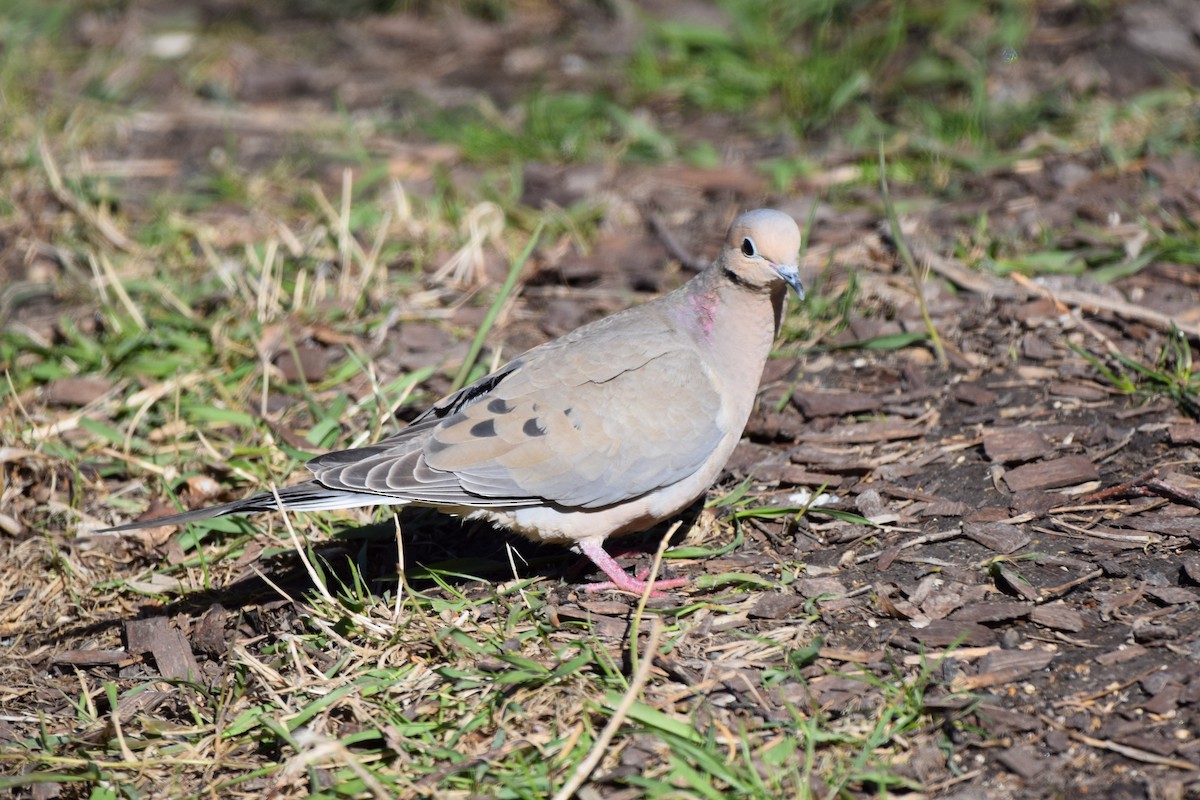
(1172, 375)
(808, 64)
(554, 127)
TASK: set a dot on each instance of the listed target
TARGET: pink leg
(618, 578)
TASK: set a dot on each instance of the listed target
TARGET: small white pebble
(804, 497)
(171, 46)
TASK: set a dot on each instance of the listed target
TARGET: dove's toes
(636, 586)
(618, 578)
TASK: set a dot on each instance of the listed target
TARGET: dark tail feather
(300, 497)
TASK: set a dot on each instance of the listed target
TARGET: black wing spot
(499, 406)
(456, 402)
(483, 430)
(569, 413)
(532, 428)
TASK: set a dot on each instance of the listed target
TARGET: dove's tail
(310, 496)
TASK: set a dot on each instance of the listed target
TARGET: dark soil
(1073, 609)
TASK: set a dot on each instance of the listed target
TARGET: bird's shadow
(437, 550)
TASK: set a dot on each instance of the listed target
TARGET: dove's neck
(732, 317)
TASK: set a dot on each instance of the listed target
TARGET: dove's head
(762, 248)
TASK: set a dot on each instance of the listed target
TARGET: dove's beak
(791, 274)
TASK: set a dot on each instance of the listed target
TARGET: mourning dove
(608, 430)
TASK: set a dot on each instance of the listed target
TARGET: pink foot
(618, 578)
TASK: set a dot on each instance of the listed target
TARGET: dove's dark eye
(747, 247)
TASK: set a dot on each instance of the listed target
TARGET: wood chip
(1013, 445)
(836, 693)
(941, 507)
(1040, 309)
(1088, 392)
(1023, 760)
(992, 611)
(1168, 526)
(1179, 674)
(311, 366)
(815, 587)
(1000, 537)
(1008, 578)
(1036, 374)
(608, 607)
(1191, 567)
(852, 656)
(835, 404)
(912, 396)
(974, 394)
(789, 474)
(1165, 701)
(945, 632)
(775, 606)
(1035, 347)
(1004, 666)
(1006, 720)
(988, 514)
(1120, 655)
(1059, 617)
(940, 604)
(864, 433)
(170, 648)
(1188, 433)
(1054, 474)
(1149, 743)
(823, 458)
(609, 627)
(901, 609)
(90, 658)
(1036, 503)
(1172, 595)
(798, 476)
